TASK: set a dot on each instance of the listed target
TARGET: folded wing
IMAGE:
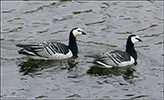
(110, 59)
(45, 49)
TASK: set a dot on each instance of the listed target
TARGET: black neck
(72, 44)
(130, 49)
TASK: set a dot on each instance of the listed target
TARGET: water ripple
(42, 96)
(39, 8)
(43, 31)
(79, 12)
(97, 22)
(153, 35)
(62, 19)
(9, 11)
(74, 96)
(151, 26)
(140, 96)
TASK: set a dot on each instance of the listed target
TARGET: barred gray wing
(32, 49)
(55, 47)
(113, 58)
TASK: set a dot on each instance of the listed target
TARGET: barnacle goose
(118, 58)
(53, 50)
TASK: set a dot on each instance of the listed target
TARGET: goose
(53, 50)
(118, 58)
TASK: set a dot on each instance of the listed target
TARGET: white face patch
(134, 40)
(77, 32)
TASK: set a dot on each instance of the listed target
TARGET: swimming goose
(53, 50)
(118, 58)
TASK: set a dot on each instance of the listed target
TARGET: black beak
(83, 33)
(139, 40)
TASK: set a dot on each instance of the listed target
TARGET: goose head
(77, 32)
(134, 39)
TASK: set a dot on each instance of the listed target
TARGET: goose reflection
(126, 72)
(34, 67)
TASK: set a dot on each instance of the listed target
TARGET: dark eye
(78, 30)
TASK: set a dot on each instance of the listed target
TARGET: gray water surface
(107, 24)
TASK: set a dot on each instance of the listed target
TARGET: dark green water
(107, 24)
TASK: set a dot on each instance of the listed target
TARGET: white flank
(39, 58)
(126, 63)
(60, 56)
